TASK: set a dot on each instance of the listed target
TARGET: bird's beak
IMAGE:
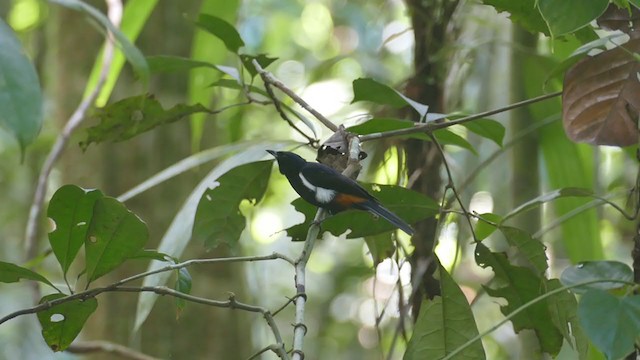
(272, 153)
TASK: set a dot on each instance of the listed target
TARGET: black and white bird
(325, 187)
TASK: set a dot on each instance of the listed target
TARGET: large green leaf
(135, 57)
(563, 308)
(222, 30)
(71, 208)
(444, 324)
(115, 235)
(132, 116)
(570, 15)
(134, 17)
(409, 205)
(10, 273)
(20, 95)
(62, 323)
(177, 236)
(365, 89)
(597, 270)
(519, 285)
(218, 219)
(612, 323)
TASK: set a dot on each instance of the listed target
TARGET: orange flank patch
(347, 200)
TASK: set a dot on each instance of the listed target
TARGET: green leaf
(71, 208)
(519, 285)
(135, 57)
(447, 137)
(567, 16)
(409, 205)
(10, 273)
(612, 323)
(263, 59)
(183, 285)
(483, 228)
(222, 30)
(20, 95)
(596, 270)
(132, 116)
(380, 246)
(528, 247)
(177, 236)
(115, 235)
(134, 17)
(366, 89)
(444, 324)
(522, 12)
(377, 125)
(563, 308)
(218, 219)
(62, 323)
(550, 196)
(487, 128)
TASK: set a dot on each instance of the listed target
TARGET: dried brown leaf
(601, 99)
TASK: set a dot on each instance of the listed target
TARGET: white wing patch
(323, 195)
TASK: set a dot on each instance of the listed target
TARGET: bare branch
(268, 78)
(432, 126)
(87, 347)
(78, 116)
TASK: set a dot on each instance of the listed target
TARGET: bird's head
(288, 162)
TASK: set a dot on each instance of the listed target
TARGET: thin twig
(267, 77)
(78, 116)
(432, 126)
(87, 347)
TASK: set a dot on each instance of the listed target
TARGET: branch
(86, 347)
(96, 291)
(31, 244)
(268, 78)
(432, 126)
(299, 328)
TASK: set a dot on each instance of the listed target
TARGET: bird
(327, 188)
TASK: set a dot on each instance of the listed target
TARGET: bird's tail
(383, 212)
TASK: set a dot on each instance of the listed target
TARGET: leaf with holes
(10, 273)
(218, 219)
(612, 323)
(601, 97)
(444, 324)
(20, 95)
(71, 208)
(597, 270)
(222, 30)
(519, 285)
(62, 323)
(380, 247)
(409, 205)
(132, 116)
(529, 248)
(115, 235)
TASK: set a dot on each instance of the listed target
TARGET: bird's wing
(325, 177)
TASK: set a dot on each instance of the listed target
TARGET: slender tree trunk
(430, 20)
